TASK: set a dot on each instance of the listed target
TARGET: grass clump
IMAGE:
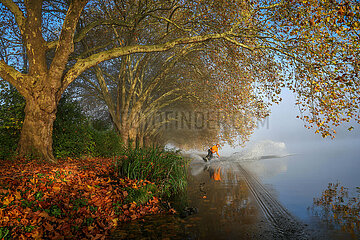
(142, 194)
(167, 169)
(5, 233)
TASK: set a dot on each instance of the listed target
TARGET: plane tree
(314, 54)
(134, 88)
(45, 81)
(143, 92)
(324, 73)
(221, 82)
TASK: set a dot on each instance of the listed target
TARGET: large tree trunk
(128, 132)
(124, 132)
(36, 133)
(132, 136)
(42, 84)
(140, 138)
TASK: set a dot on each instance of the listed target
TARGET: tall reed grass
(165, 168)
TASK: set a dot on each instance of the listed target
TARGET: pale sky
(283, 126)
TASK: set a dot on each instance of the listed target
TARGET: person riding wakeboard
(211, 151)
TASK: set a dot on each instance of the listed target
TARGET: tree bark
(140, 137)
(42, 85)
(132, 135)
(127, 132)
(36, 133)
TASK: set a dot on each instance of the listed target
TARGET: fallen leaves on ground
(73, 199)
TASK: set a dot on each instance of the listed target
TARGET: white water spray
(261, 150)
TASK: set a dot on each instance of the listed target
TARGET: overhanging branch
(18, 14)
(14, 77)
(82, 34)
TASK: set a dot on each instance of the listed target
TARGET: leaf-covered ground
(73, 199)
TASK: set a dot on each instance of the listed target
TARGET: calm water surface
(304, 175)
(294, 173)
(224, 209)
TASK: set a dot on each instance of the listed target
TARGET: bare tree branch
(18, 14)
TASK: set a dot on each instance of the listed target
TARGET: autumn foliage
(340, 208)
(74, 199)
(244, 52)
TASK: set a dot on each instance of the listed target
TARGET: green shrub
(12, 106)
(106, 143)
(167, 169)
(101, 125)
(72, 134)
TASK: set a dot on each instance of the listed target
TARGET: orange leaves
(75, 198)
(33, 180)
(44, 215)
(340, 206)
(8, 200)
(97, 202)
(36, 235)
(48, 227)
(17, 195)
(172, 211)
(56, 188)
(154, 200)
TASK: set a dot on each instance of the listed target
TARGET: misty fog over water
(297, 179)
(312, 162)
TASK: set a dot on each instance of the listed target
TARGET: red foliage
(70, 199)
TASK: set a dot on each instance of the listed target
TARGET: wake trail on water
(233, 169)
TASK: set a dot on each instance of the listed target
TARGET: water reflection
(225, 209)
(338, 209)
(152, 227)
(215, 173)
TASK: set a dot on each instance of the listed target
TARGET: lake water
(294, 174)
(298, 172)
(308, 169)
(292, 162)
